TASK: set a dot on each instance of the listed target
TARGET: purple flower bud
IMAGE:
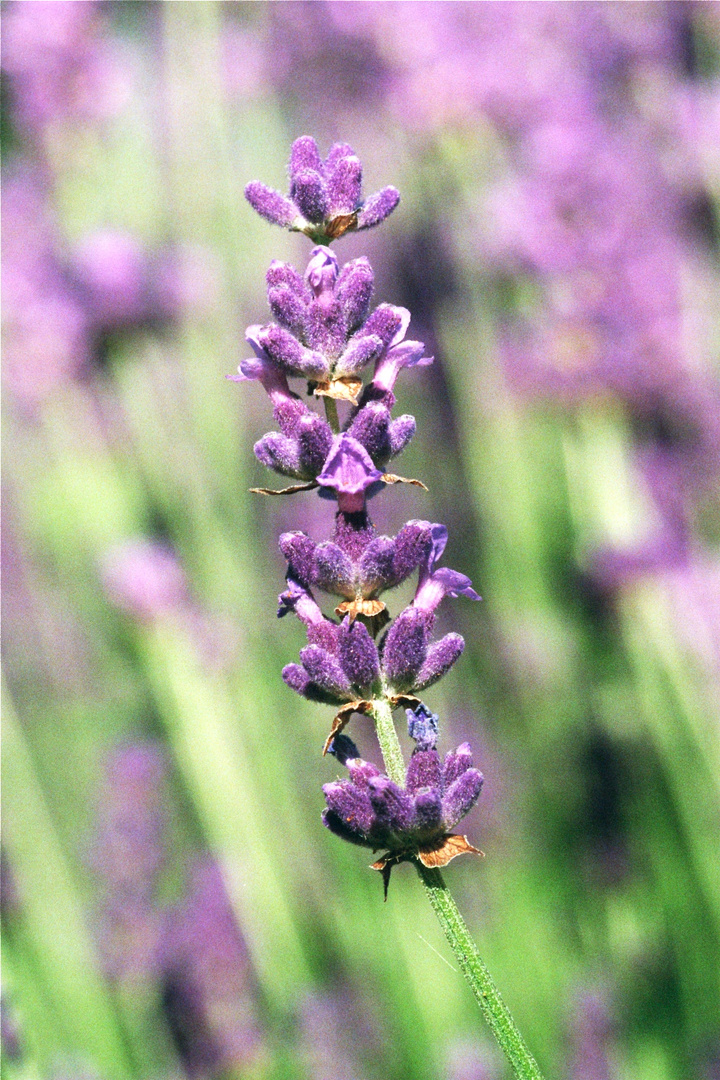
(371, 428)
(389, 323)
(270, 204)
(333, 570)
(412, 546)
(378, 207)
(400, 433)
(304, 154)
(376, 563)
(325, 329)
(297, 678)
(460, 797)
(277, 452)
(405, 649)
(299, 550)
(456, 763)
(361, 351)
(423, 727)
(350, 813)
(349, 471)
(315, 438)
(326, 672)
(353, 291)
(441, 656)
(288, 308)
(343, 748)
(358, 655)
(428, 813)
(394, 808)
(310, 195)
(344, 184)
(424, 770)
(289, 354)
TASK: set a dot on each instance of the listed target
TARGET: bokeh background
(172, 906)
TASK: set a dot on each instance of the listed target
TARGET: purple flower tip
(423, 727)
(349, 470)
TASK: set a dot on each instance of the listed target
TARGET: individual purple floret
(411, 822)
(349, 471)
(325, 198)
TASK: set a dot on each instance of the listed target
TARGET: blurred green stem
(486, 993)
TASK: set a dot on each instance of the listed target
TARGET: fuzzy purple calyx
(349, 471)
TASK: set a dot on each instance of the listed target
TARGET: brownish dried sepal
(309, 486)
(340, 224)
(345, 388)
(342, 719)
(391, 478)
(369, 609)
(438, 855)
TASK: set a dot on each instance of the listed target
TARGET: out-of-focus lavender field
(171, 905)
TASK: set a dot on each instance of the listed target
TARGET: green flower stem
(486, 993)
(331, 412)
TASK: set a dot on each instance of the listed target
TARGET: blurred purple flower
(208, 986)
(145, 579)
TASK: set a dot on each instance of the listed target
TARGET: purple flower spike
(349, 471)
(378, 207)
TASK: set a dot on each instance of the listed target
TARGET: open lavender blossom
(325, 198)
(411, 822)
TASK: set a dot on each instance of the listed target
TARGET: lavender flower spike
(325, 197)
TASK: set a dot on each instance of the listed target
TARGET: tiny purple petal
(405, 354)
(440, 658)
(349, 470)
(322, 271)
(300, 600)
(400, 433)
(423, 727)
(442, 582)
(378, 207)
(271, 205)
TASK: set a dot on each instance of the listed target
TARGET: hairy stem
(389, 742)
(331, 412)
(486, 993)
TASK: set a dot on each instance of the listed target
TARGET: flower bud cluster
(327, 335)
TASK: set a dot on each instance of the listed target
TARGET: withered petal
(451, 847)
(340, 224)
(342, 719)
(391, 478)
(346, 388)
(310, 485)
